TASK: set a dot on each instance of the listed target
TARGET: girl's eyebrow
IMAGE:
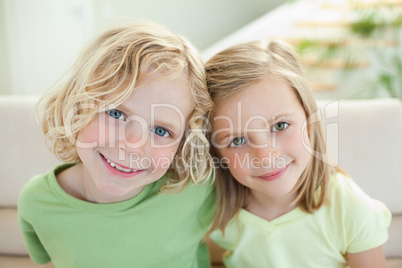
(278, 117)
(224, 137)
(270, 121)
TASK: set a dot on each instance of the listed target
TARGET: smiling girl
(129, 121)
(279, 205)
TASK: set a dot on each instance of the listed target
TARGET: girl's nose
(266, 154)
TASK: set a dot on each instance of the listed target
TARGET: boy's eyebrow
(123, 107)
(167, 124)
(157, 122)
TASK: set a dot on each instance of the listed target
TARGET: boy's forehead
(160, 93)
(152, 74)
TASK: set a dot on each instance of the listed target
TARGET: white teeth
(112, 164)
(123, 169)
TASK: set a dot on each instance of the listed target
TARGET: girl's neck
(270, 208)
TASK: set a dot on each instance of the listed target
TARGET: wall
(40, 39)
(328, 21)
(203, 22)
(4, 72)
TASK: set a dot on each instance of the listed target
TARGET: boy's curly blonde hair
(111, 67)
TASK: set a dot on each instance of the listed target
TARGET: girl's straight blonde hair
(232, 71)
(108, 70)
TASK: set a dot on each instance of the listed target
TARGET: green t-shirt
(149, 230)
(352, 222)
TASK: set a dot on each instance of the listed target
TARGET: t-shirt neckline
(78, 203)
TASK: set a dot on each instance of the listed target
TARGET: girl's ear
(308, 131)
(309, 128)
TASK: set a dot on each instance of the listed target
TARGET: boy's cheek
(162, 158)
(98, 134)
(89, 136)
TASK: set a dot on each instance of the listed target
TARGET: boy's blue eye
(279, 126)
(237, 142)
(160, 131)
(116, 114)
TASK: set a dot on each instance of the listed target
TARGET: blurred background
(349, 48)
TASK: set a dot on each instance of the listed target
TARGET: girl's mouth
(271, 176)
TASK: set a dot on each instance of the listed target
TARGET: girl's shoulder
(361, 219)
(346, 197)
(344, 188)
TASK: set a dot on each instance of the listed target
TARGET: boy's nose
(134, 139)
(138, 147)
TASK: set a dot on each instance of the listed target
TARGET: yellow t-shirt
(352, 222)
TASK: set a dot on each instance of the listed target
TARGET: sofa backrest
(23, 148)
(364, 137)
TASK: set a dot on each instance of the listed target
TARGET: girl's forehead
(267, 97)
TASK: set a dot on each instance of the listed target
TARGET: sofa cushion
(393, 247)
(11, 241)
(20, 262)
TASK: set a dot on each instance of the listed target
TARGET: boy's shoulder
(39, 185)
(205, 186)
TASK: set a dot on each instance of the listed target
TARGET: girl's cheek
(237, 162)
(296, 139)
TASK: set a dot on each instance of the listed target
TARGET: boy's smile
(120, 170)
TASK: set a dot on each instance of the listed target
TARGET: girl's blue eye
(160, 131)
(116, 114)
(279, 126)
(237, 142)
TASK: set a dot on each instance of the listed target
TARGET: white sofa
(365, 137)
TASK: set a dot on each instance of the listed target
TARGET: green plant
(365, 26)
(371, 28)
(388, 81)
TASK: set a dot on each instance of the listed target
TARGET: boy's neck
(70, 183)
(73, 181)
